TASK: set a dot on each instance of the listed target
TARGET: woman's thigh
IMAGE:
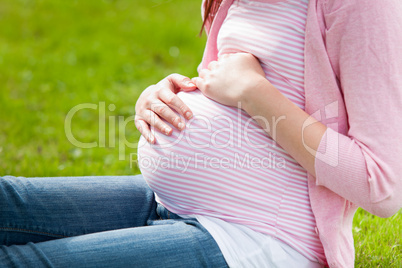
(40, 209)
(164, 243)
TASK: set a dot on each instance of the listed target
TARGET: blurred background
(83, 64)
(57, 54)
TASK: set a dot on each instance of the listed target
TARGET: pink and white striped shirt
(223, 165)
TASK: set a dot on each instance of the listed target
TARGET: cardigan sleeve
(364, 44)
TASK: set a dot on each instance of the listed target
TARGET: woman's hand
(157, 101)
(231, 79)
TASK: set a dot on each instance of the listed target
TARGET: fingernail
(167, 130)
(180, 125)
(190, 84)
(189, 115)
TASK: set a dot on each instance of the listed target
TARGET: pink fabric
(353, 84)
(239, 174)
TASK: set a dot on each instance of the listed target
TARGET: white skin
(160, 101)
(232, 79)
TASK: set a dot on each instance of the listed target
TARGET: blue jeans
(96, 222)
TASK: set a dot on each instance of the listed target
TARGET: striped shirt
(223, 165)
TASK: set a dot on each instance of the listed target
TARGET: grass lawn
(100, 55)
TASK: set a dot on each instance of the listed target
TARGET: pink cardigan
(353, 84)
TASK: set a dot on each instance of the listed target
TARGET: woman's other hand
(231, 78)
(160, 101)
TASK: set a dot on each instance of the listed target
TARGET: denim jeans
(96, 222)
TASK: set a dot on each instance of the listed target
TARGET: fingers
(149, 119)
(202, 77)
(202, 85)
(173, 101)
(154, 120)
(224, 56)
(169, 87)
(159, 102)
(199, 82)
(178, 81)
(203, 73)
(143, 128)
(159, 106)
(212, 65)
(160, 109)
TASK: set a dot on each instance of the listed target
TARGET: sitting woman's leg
(40, 209)
(36, 212)
(166, 243)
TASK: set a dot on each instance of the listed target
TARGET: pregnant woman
(261, 161)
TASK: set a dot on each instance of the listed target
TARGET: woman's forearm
(291, 127)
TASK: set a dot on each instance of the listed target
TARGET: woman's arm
(238, 80)
(291, 127)
(364, 45)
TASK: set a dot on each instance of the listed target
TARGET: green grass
(57, 54)
(378, 241)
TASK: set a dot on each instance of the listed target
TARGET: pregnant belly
(221, 157)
